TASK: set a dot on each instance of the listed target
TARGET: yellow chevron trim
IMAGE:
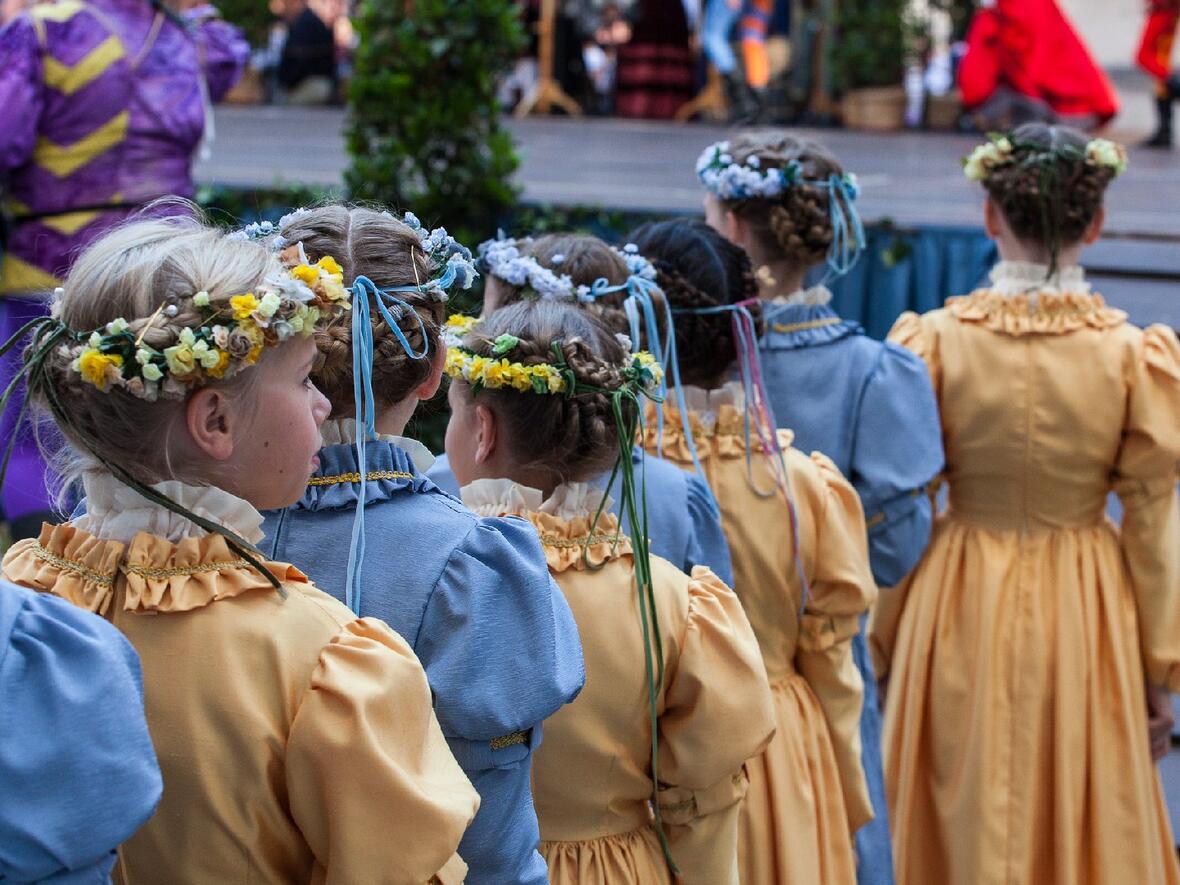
(62, 11)
(15, 207)
(68, 79)
(69, 223)
(20, 276)
(63, 160)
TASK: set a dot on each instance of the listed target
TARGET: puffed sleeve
(897, 451)
(718, 713)
(224, 51)
(499, 640)
(707, 544)
(20, 93)
(1145, 480)
(371, 782)
(77, 768)
(842, 589)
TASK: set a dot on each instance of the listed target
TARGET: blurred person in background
(105, 102)
(1155, 57)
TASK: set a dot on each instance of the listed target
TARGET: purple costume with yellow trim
(104, 106)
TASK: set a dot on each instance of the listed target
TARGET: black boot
(744, 106)
(1162, 138)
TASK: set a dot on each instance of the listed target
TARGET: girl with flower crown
(684, 523)
(866, 405)
(801, 567)
(296, 741)
(1031, 654)
(643, 773)
(462, 588)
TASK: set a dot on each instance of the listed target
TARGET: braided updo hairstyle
(146, 272)
(373, 244)
(585, 259)
(571, 438)
(797, 224)
(1052, 209)
(698, 267)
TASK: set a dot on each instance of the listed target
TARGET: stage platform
(911, 179)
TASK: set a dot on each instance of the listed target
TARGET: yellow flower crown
(231, 335)
(498, 372)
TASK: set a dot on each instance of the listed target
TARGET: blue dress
(474, 598)
(78, 775)
(870, 407)
(682, 516)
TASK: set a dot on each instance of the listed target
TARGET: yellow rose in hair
(305, 273)
(243, 305)
(94, 367)
(329, 265)
(556, 381)
(218, 370)
(181, 360)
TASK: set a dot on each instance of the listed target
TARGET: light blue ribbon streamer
(848, 232)
(364, 401)
(641, 310)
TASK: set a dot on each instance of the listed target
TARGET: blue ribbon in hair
(641, 310)
(757, 402)
(848, 232)
(391, 309)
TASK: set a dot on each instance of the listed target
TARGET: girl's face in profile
(275, 450)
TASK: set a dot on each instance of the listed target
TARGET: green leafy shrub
(870, 45)
(424, 133)
(252, 16)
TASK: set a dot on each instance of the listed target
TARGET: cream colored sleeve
(372, 785)
(718, 713)
(841, 591)
(912, 333)
(1145, 480)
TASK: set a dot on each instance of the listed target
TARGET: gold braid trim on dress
(70, 565)
(510, 740)
(786, 328)
(585, 540)
(354, 477)
(182, 570)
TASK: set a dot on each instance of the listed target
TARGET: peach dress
(296, 741)
(1016, 745)
(808, 793)
(592, 776)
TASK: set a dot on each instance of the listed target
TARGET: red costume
(1030, 47)
(1155, 49)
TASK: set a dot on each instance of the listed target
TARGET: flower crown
(454, 260)
(729, 180)
(502, 257)
(1000, 150)
(230, 336)
(498, 372)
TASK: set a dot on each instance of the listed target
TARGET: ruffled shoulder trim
(1043, 313)
(158, 575)
(793, 326)
(575, 544)
(910, 332)
(1161, 351)
(721, 435)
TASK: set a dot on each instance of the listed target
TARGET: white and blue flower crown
(503, 258)
(729, 180)
(454, 260)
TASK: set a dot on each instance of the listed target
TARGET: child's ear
(736, 229)
(429, 387)
(486, 434)
(1094, 229)
(210, 423)
(992, 220)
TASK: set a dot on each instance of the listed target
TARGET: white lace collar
(116, 512)
(1026, 278)
(706, 404)
(816, 295)
(342, 431)
(504, 497)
